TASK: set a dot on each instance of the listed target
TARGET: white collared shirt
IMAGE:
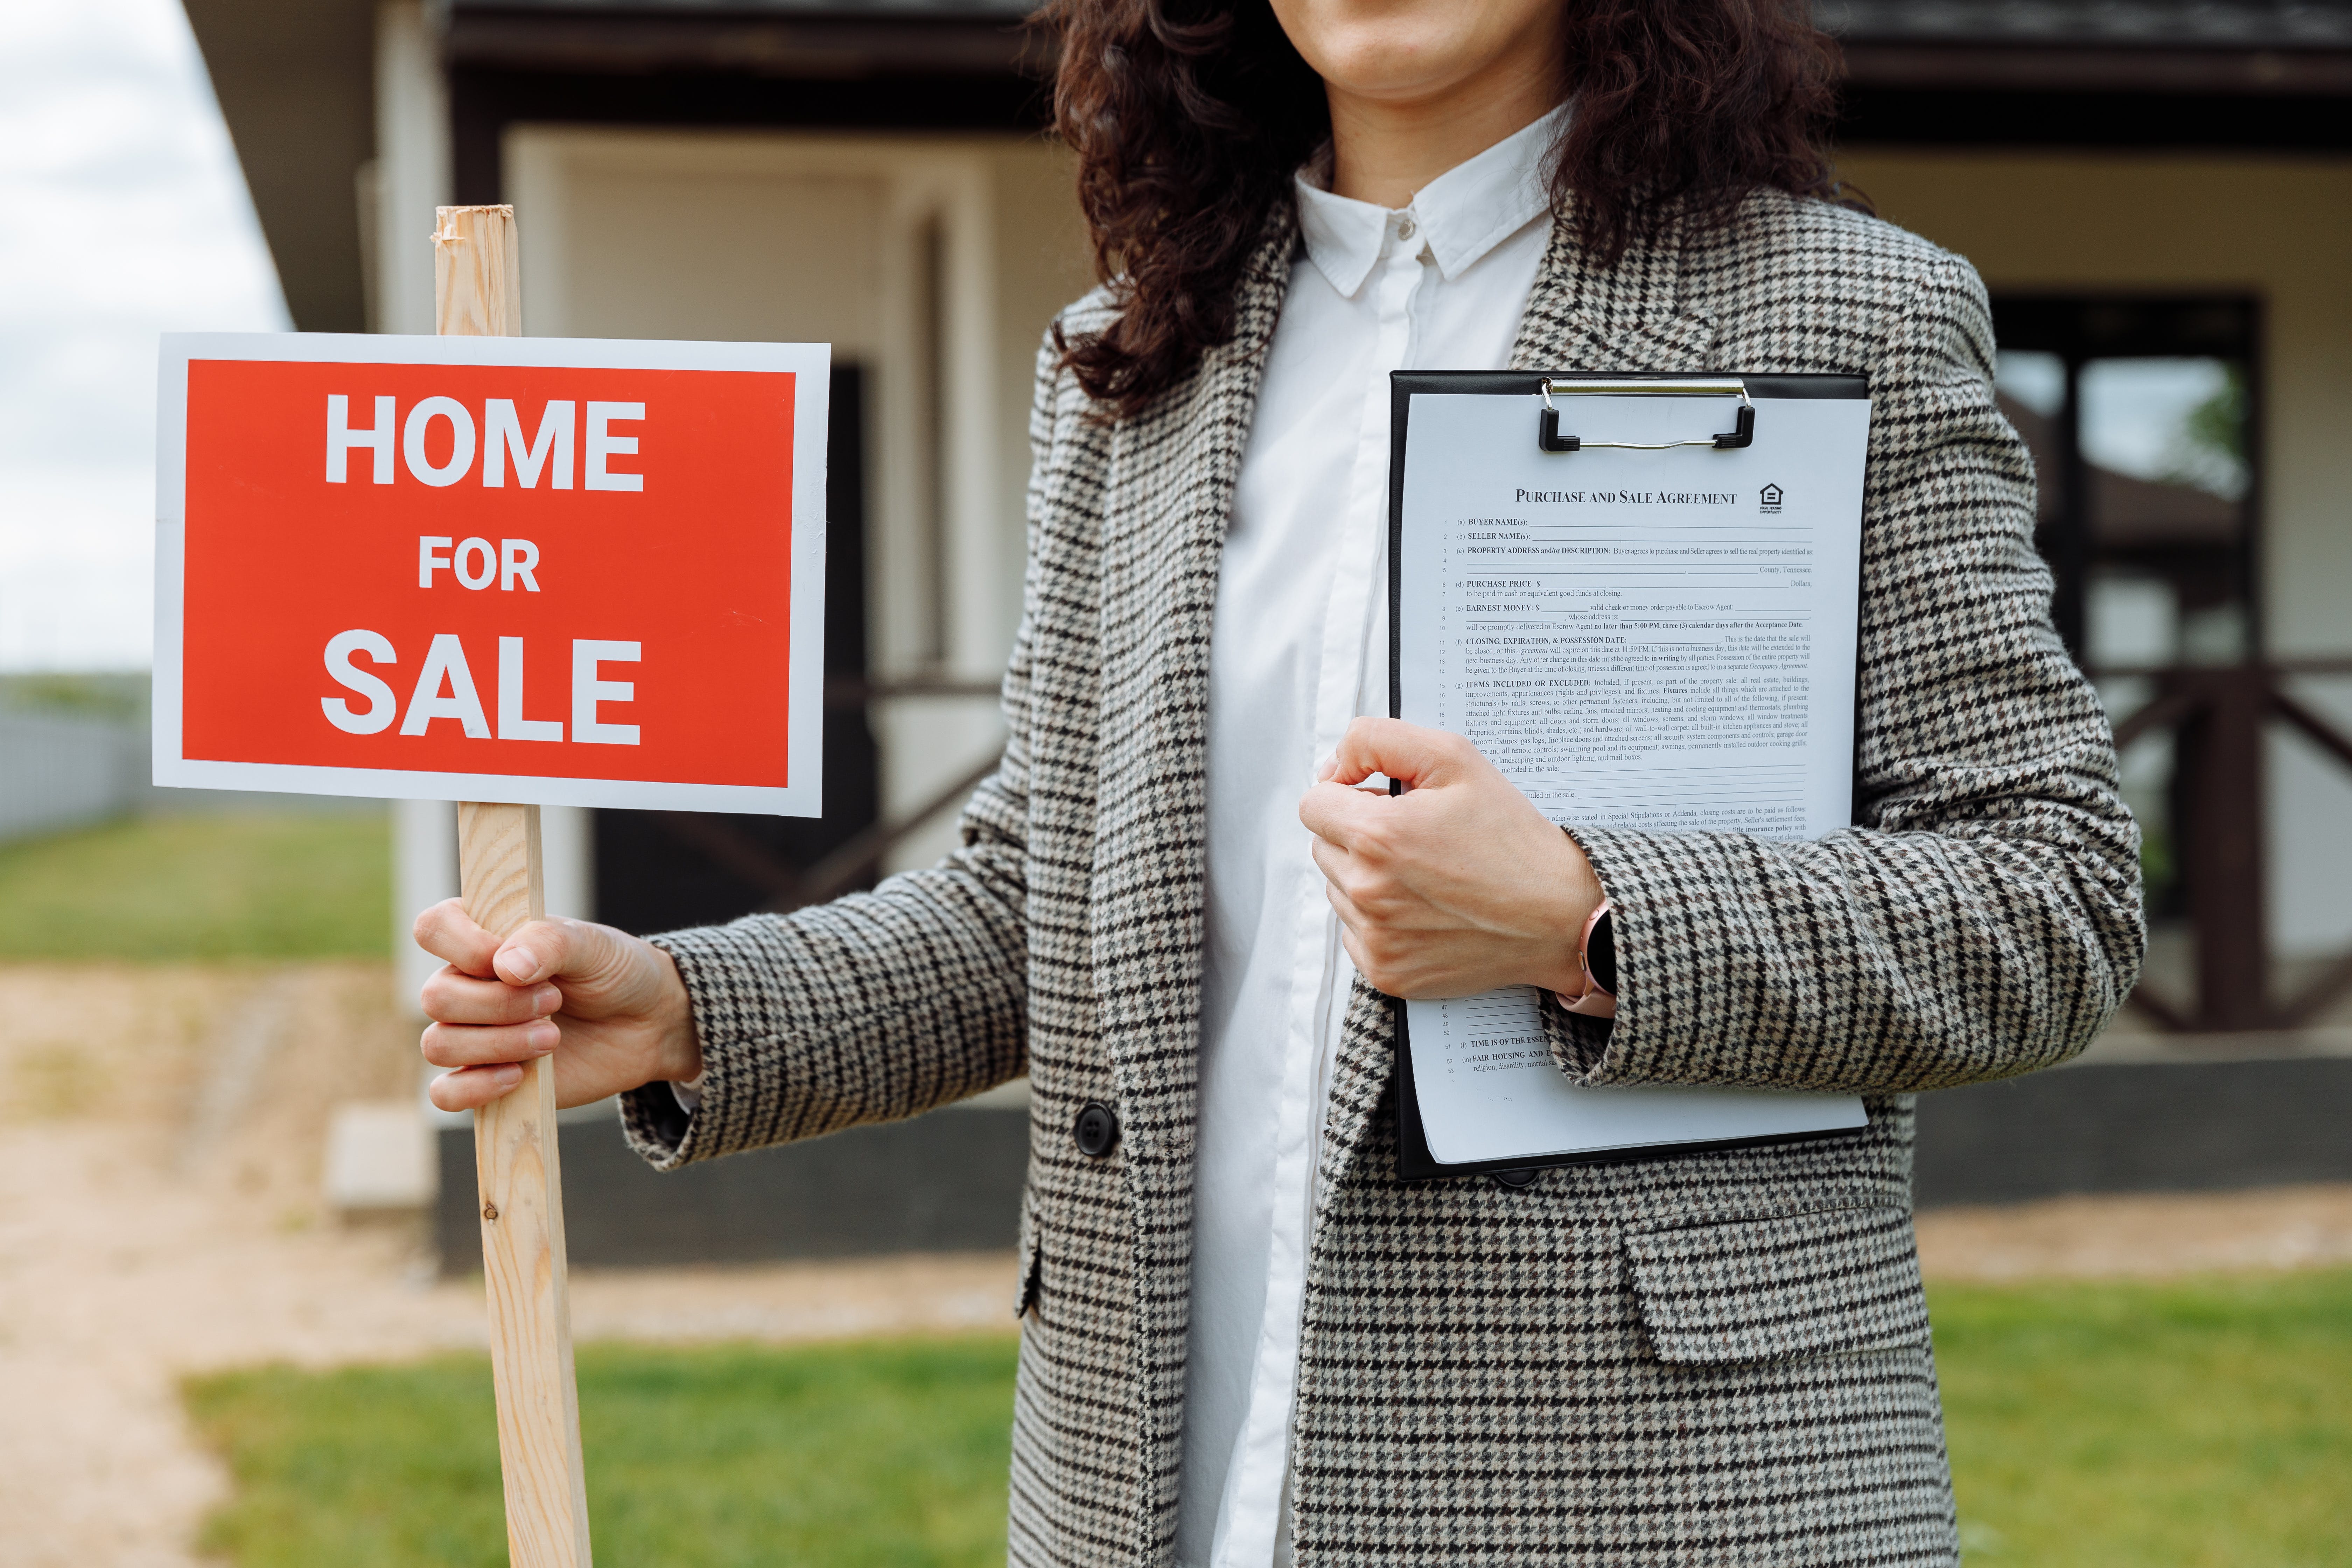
(1299, 647)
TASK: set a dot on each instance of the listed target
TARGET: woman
(1244, 1340)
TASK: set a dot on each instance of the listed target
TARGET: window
(2140, 416)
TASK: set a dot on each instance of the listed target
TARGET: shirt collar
(1462, 215)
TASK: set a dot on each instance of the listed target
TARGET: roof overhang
(2052, 46)
(295, 82)
(2104, 74)
(2079, 68)
(2214, 25)
(2175, 73)
(821, 42)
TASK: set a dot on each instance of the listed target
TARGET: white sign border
(810, 363)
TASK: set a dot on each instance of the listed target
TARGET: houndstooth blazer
(1716, 1357)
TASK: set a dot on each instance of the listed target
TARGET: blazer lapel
(1579, 316)
(1627, 317)
(1171, 494)
(1169, 497)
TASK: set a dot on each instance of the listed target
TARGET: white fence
(59, 771)
(65, 769)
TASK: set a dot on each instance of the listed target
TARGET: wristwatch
(1596, 951)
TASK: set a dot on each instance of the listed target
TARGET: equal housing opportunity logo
(1769, 500)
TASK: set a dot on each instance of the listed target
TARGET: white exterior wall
(411, 168)
(412, 165)
(2279, 228)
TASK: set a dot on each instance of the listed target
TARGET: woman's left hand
(1456, 887)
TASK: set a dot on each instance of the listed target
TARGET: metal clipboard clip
(1741, 434)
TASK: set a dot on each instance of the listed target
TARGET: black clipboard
(1414, 1160)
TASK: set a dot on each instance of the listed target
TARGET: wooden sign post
(477, 293)
(481, 567)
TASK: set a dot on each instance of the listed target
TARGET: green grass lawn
(2188, 1425)
(260, 886)
(853, 1456)
(2175, 1425)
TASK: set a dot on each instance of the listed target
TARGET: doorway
(660, 870)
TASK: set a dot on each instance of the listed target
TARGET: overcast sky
(122, 215)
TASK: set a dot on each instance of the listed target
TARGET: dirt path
(160, 1146)
(159, 1216)
(2140, 1236)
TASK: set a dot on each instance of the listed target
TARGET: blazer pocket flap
(1792, 1284)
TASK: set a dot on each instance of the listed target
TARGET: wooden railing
(787, 886)
(2216, 714)
(2217, 717)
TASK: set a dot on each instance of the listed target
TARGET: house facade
(2157, 193)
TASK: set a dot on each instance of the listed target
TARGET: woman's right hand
(610, 1006)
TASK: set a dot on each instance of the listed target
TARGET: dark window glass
(2141, 417)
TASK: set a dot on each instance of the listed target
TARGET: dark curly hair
(1189, 117)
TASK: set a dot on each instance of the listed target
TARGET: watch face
(1600, 953)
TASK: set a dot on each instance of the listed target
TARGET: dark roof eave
(2222, 25)
(806, 43)
(296, 86)
(2091, 68)
(2000, 46)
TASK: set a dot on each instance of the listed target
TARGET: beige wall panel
(2280, 229)
(656, 235)
(782, 259)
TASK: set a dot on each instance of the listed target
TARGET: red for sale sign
(536, 570)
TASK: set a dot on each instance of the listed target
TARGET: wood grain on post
(477, 293)
(477, 273)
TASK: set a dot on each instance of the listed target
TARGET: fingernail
(517, 966)
(510, 1074)
(543, 1037)
(547, 999)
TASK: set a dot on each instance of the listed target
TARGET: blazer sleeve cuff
(1579, 1042)
(1599, 1050)
(669, 1129)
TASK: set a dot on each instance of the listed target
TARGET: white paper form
(1661, 641)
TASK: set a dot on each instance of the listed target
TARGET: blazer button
(1096, 1130)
